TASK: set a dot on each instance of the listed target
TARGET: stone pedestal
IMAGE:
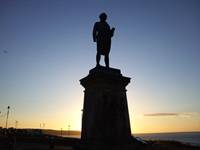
(105, 119)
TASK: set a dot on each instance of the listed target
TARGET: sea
(192, 138)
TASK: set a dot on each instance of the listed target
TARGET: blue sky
(46, 47)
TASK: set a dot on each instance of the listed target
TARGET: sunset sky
(46, 47)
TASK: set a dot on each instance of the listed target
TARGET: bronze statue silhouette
(102, 35)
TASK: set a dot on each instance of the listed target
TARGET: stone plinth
(105, 119)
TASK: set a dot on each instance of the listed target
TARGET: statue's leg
(98, 57)
(107, 60)
(107, 51)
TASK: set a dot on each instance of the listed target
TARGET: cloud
(189, 114)
(161, 114)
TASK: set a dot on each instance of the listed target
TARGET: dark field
(59, 143)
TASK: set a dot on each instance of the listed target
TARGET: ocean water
(192, 138)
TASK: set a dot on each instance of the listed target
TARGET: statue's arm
(112, 32)
(94, 33)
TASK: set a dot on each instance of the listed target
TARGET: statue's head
(103, 16)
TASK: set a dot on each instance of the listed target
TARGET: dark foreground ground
(60, 143)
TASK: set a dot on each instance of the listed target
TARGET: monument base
(105, 119)
(131, 145)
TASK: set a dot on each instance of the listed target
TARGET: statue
(102, 35)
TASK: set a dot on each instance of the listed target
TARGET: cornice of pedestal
(103, 76)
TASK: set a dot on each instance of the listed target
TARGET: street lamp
(61, 131)
(7, 116)
(68, 129)
(16, 123)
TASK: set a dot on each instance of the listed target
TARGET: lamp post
(16, 123)
(7, 116)
(68, 129)
(44, 125)
(61, 131)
